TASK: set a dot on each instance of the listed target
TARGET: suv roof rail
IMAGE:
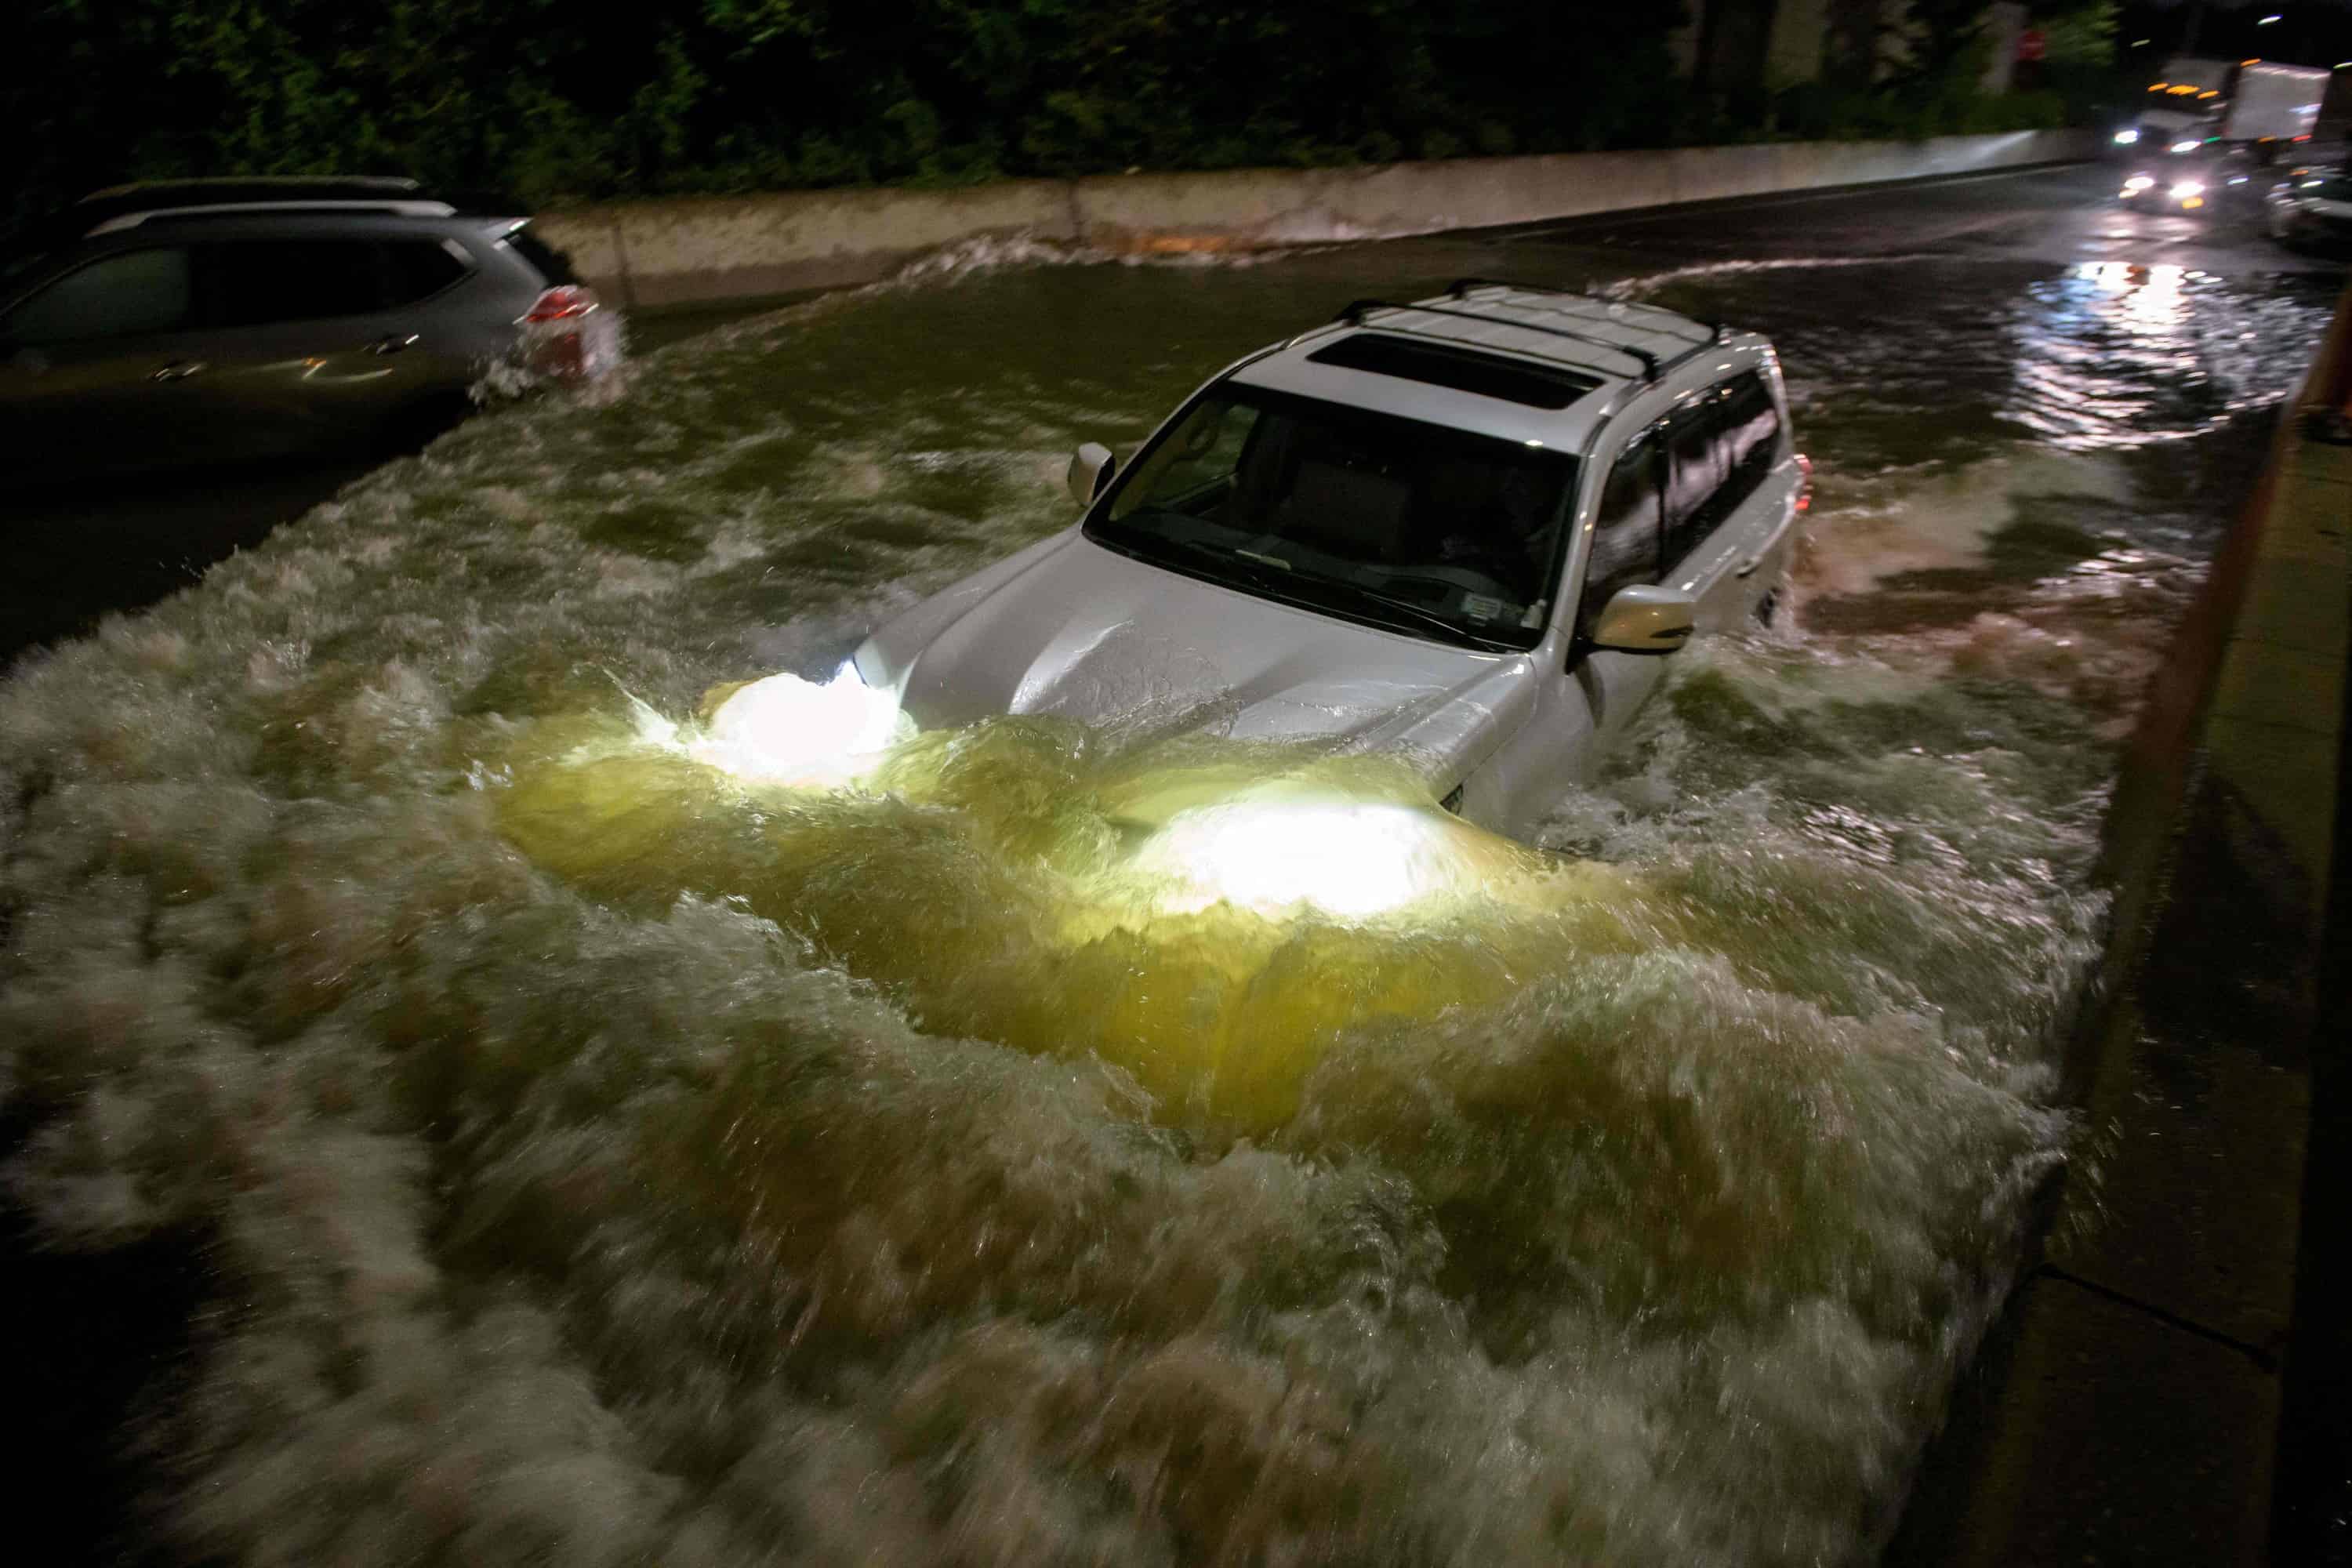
(307, 184)
(1461, 287)
(1358, 309)
(126, 207)
(238, 209)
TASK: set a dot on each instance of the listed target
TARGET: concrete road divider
(692, 250)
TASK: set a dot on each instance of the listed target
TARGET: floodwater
(598, 1159)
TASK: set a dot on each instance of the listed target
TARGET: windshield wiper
(1453, 629)
(1280, 580)
(1245, 564)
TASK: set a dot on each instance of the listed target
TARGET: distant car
(1468, 530)
(2312, 207)
(162, 325)
(2206, 182)
(2190, 182)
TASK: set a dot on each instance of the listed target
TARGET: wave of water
(599, 1159)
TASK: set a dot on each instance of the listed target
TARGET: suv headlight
(2186, 189)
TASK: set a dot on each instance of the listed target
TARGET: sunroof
(1457, 369)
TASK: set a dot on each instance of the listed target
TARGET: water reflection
(2113, 354)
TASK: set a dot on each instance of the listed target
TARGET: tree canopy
(556, 101)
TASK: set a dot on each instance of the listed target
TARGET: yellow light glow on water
(1355, 859)
(793, 732)
(1206, 915)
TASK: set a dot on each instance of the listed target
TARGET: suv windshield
(1414, 527)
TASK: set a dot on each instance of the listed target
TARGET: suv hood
(1074, 629)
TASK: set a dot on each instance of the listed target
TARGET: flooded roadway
(589, 1158)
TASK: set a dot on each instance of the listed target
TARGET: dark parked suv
(159, 325)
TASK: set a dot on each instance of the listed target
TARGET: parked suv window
(552, 264)
(136, 292)
(1625, 535)
(258, 281)
(418, 269)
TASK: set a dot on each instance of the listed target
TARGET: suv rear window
(418, 269)
(549, 262)
(1457, 370)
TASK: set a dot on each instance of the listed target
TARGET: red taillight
(1804, 483)
(562, 304)
(568, 335)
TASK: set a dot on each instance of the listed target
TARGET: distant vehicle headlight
(2138, 183)
(2187, 146)
(2186, 189)
(2126, 137)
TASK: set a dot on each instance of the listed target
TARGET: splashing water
(611, 1156)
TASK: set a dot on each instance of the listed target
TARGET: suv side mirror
(1645, 617)
(1090, 469)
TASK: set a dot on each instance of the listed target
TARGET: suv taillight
(562, 303)
(567, 336)
(1804, 483)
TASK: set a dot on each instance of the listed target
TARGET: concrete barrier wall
(688, 251)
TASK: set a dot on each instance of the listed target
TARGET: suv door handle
(178, 369)
(392, 343)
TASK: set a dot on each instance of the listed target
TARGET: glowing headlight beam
(1352, 859)
(790, 732)
(2186, 189)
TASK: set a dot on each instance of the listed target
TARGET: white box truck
(2199, 104)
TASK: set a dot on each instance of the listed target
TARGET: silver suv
(161, 325)
(1470, 529)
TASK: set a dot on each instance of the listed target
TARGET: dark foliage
(556, 101)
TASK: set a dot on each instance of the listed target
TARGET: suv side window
(1751, 434)
(113, 297)
(256, 282)
(1626, 533)
(1695, 474)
